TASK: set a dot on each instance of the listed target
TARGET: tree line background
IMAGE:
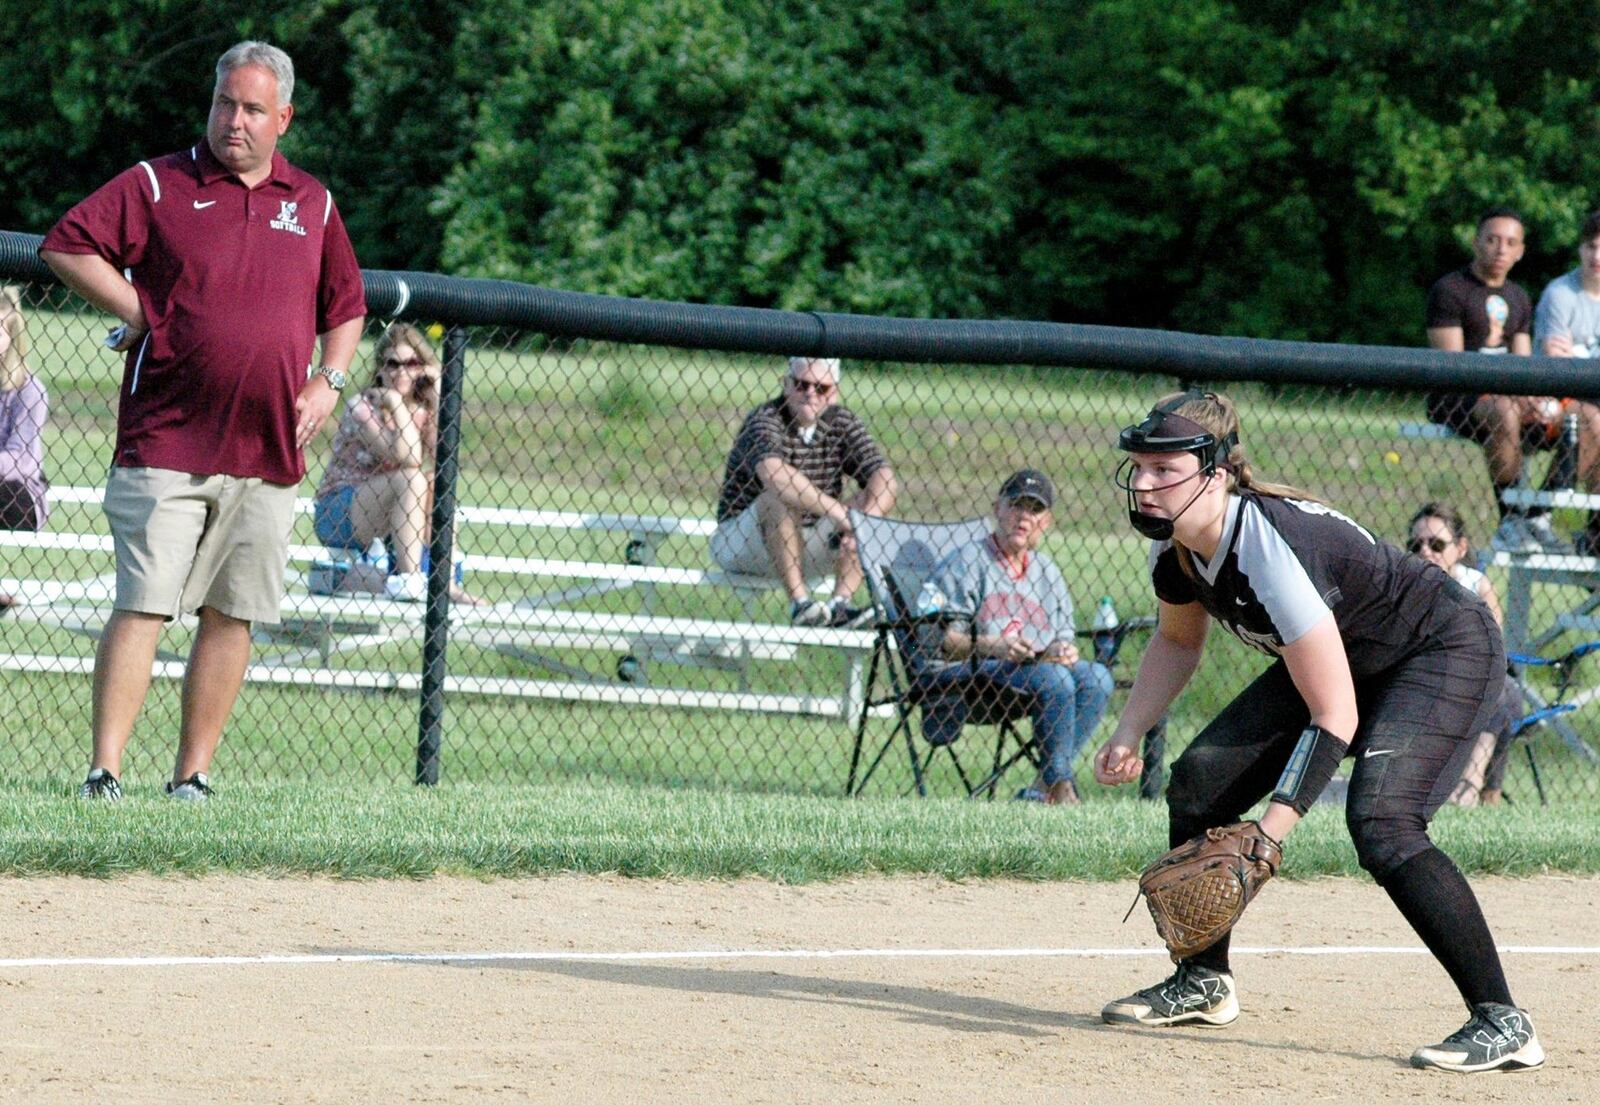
(1280, 168)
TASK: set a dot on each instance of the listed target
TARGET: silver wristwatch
(335, 377)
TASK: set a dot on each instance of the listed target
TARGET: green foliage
(777, 155)
(1294, 170)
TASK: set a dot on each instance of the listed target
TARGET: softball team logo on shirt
(287, 219)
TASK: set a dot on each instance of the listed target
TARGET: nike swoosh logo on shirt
(1371, 752)
(198, 206)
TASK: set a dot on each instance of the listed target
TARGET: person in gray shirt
(1009, 631)
(1567, 324)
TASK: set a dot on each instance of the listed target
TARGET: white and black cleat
(1193, 995)
(1495, 1037)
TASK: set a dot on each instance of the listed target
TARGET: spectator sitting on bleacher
(1439, 537)
(23, 408)
(1480, 309)
(780, 513)
(377, 485)
(1010, 631)
(1567, 324)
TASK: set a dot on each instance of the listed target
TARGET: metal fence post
(441, 568)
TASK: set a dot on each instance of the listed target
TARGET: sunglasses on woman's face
(393, 362)
(1437, 544)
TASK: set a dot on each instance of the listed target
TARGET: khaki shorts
(186, 541)
(736, 546)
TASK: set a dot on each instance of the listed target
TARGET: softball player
(1377, 656)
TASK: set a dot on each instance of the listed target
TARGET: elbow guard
(1312, 763)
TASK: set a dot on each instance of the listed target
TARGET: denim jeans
(1063, 701)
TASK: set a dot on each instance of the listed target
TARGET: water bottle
(377, 555)
(1105, 631)
(1567, 453)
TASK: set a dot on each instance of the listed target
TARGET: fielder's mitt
(1197, 892)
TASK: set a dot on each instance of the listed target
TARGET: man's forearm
(796, 491)
(339, 344)
(880, 492)
(93, 278)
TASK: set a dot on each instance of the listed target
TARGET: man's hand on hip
(313, 409)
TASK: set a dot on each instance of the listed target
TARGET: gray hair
(829, 363)
(269, 57)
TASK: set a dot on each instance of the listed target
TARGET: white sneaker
(406, 587)
(1540, 529)
(196, 788)
(1193, 995)
(1513, 536)
(1495, 1037)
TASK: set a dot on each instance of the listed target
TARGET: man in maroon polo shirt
(236, 262)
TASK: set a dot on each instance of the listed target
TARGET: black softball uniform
(1425, 654)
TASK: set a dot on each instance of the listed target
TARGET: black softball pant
(1416, 729)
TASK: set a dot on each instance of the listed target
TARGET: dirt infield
(851, 1028)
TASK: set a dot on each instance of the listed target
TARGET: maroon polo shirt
(236, 284)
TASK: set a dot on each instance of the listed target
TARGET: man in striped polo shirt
(781, 513)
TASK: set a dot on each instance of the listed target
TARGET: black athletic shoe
(196, 788)
(841, 616)
(1495, 1037)
(1193, 995)
(101, 785)
(808, 612)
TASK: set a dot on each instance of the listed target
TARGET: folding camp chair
(1547, 711)
(897, 557)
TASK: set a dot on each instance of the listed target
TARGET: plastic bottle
(1105, 631)
(378, 556)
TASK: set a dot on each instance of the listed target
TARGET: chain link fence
(594, 636)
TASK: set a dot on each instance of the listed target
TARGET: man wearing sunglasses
(781, 512)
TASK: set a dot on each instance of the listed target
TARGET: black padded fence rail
(475, 302)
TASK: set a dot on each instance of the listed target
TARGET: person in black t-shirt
(1378, 656)
(1480, 309)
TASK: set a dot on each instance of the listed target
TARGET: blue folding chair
(1545, 711)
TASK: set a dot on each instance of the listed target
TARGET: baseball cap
(1029, 483)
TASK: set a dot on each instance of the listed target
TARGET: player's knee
(1384, 843)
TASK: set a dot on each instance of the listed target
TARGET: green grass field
(502, 830)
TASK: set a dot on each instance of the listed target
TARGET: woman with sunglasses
(1438, 536)
(1376, 655)
(377, 486)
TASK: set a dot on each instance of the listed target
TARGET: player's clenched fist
(1116, 763)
